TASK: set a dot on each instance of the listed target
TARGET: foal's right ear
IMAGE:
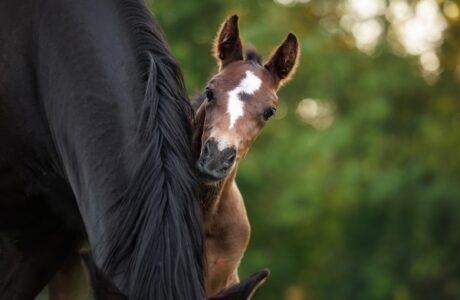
(245, 289)
(228, 46)
(284, 60)
(103, 288)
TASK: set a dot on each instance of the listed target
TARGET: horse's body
(94, 140)
(237, 103)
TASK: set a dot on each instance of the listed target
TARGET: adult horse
(95, 137)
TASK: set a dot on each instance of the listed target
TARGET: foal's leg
(70, 282)
(28, 263)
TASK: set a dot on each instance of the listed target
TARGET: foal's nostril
(207, 149)
(214, 163)
(231, 157)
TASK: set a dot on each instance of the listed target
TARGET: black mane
(156, 236)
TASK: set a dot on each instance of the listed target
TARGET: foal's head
(239, 99)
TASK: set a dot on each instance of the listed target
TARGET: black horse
(95, 138)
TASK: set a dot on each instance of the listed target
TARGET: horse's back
(39, 220)
(21, 124)
(25, 143)
(30, 183)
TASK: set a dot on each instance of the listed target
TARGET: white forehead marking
(248, 85)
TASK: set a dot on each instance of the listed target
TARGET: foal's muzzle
(215, 164)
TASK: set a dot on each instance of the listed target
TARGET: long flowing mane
(156, 237)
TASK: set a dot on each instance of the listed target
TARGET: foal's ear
(245, 289)
(228, 46)
(103, 288)
(284, 60)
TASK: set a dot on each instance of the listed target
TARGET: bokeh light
(316, 113)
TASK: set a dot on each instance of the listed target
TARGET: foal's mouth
(209, 176)
(214, 163)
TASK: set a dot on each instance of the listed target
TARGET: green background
(360, 197)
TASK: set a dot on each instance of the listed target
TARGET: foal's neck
(211, 193)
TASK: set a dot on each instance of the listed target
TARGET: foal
(237, 103)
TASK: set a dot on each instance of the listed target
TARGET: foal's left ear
(228, 46)
(283, 62)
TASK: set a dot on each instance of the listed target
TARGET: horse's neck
(212, 194)
(89, 100)
(108, 125)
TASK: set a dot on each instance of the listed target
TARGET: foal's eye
(269, 112)
(210, 95)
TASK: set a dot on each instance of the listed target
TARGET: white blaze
(248, 85)
(223, 143)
